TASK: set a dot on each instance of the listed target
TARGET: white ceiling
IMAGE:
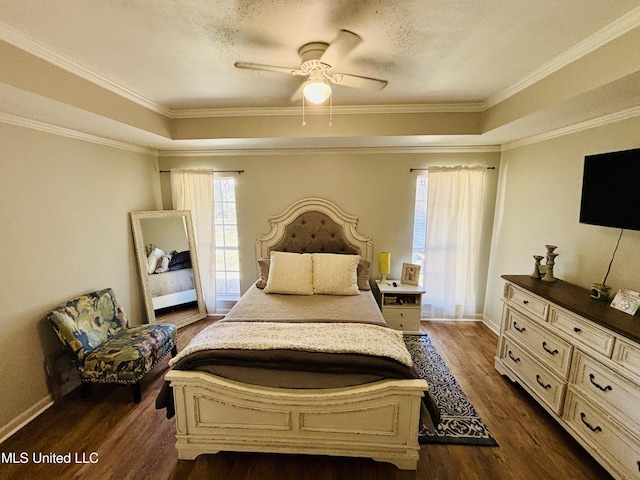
(177, 56)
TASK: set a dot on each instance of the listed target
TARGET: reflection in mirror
(168, 266)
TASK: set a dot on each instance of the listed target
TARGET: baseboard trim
(16, 424)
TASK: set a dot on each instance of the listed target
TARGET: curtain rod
(444, 167)
(203, 170)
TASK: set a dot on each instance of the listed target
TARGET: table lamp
(384, 266)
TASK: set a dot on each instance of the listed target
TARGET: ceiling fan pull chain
(303, 122)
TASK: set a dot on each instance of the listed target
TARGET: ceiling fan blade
(340, 47)
(268, 68)
(355, 81)
(298, 93)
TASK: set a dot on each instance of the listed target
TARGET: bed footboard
(378, 420)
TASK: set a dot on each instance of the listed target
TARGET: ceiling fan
(317, 60)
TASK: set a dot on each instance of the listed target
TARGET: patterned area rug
(460, 423)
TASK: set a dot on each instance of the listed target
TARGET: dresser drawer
(538, 379)
(526, 301)
(606, 440)
(581, 331)
(608, 389)
(551, 350)
(627, 355)
(406, 319)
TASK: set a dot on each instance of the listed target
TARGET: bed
(302, 373)
(172, 288)
(172, 285)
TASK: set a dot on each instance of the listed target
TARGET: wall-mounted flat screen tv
(610, 190)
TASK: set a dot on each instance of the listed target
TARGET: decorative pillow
(180, 260)
(153, 258)
(335, 274)
(163, 264)
(263, 263)
(290, 273)
(364, 269)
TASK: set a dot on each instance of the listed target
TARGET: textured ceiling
(179, 54)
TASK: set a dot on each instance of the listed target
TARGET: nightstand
(401, 306)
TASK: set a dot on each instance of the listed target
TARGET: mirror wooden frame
(187, 316)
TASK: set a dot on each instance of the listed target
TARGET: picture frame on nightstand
(410, 274)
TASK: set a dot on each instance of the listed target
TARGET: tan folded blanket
(356, 338)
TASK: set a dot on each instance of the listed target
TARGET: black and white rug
(459, 423)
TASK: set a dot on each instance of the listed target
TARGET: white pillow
(290, 273)
(163, 264)
(152, 260)
(335, 274)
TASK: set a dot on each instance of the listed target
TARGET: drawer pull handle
(593, 429)
(520, 329)
(526, 302)
(546, 387)
(552, 352)
(577, 329)
(515, 359)
(604, 389)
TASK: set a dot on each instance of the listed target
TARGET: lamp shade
(316, 91)
(384, 263)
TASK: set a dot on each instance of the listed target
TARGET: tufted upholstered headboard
(314, 225)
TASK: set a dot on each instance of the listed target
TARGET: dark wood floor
(137, 442)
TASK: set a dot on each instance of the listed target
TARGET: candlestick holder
(551, 260)
(537, 273)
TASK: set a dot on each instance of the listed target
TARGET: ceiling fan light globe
(316, 92)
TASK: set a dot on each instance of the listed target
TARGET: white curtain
(455, 202)
(193, 190)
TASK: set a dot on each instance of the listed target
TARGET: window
(446, 240)
(226, 228)
(420, 225)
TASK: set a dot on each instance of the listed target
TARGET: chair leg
(135, 391)
(174, 351)
(85, 389)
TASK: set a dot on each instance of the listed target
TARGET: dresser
(580, 359)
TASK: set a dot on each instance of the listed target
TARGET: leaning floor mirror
(168, 266)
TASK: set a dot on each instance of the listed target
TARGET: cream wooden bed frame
(378, 420)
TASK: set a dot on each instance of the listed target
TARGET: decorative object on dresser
(626, 301)
(545, 272)
(401, 305)
(384, 266)
(580, 360)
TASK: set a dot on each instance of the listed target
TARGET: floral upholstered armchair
(95, 333)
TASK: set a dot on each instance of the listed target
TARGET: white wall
(378, 188)
(539, 203)
(65, 231)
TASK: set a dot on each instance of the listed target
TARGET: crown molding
(226, 152)
(32, 124)
(32, 46)
(576, 127)
(323, 110)
(615, 29)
